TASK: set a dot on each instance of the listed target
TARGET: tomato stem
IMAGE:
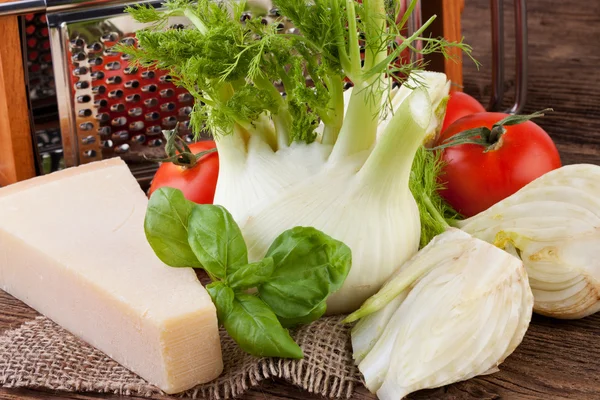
(178, 152)
(485, 136)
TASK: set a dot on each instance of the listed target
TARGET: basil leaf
(216, 240)
(309, 266)
(255, 328)
(307, 319)
(251, 275)
(166, 229)
(222, 296)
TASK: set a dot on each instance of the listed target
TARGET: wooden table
(557, 359)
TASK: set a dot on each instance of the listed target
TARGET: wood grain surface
(16, 151)
(557, 359)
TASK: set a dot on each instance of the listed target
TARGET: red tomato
(459, 105)
(475, 180)
(198, 183)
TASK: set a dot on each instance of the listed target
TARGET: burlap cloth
(40, 354)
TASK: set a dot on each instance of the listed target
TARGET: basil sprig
(255, 301)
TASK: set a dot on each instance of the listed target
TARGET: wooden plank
(451, 13)
(16, 150)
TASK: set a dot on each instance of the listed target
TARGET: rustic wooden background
(557, 359)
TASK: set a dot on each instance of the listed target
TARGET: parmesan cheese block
(72, 246)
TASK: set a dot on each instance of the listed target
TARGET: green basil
(314, 315)
(216, 240)
(165, 225)
(255, 328)
(309, 266)
(222, 296)
(251, 275)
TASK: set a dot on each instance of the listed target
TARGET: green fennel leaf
(166, 228)
(425, 184)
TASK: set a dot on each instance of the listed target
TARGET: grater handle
(497, 96)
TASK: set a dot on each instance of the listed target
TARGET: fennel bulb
(554, 223)
(276, 168)
(368, 206)
(456, 310)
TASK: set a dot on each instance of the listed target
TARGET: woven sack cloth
(40, 354)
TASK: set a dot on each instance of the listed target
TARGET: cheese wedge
(72, 246)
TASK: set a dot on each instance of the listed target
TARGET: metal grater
(107, 108)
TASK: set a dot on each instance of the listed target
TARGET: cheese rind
(72, 246)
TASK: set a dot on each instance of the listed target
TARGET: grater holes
(124, 148)
(114, 80)
(148, 74)
(113, 66)
(130, 70)
(274, 12)
(82, 85)
(153, 102)
(135, 112)
(136, 126)
(165, 79)
(185, 98)
(76, 43)
(109, 37)
(120, 136)
(86, 126)
(169, 121)
(129, 41)
(132, 84)
(109, 52)
(139, 138)
(88, 139)
(185, 125)
(125, 57)
(100, 89)
(177, 26)
(103, 117)
(280, 27)
(149, 88)
(107, 144)
(86, 112)
(153, 130)
(119, 121)
(119, 107)
(133, 98)
(84, 98)
(245, 17)
(80, 71)
(189, 138)
(90, 153)
(152, 116)
(155, 142)
(78, 57)
(97, 75)
(94, 47)
(104, 131)
(96, 61)
(167, 107)
(100, 103)
(185, 111)
(115, 94)
(167, 93)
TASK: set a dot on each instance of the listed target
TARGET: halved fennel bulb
(554, 223)
(365, 204)
(456, 310)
